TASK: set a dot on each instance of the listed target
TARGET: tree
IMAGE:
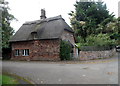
(118, 24)
(7, 30)
(92, 13)
(115, 27)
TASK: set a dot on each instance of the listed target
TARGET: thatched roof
(49, 28)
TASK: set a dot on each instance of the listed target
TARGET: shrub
(100, 40)
(65, 50)
(97, 40)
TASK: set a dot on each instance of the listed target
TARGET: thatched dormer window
(34, 35)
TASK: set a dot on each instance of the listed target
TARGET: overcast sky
(29, 10)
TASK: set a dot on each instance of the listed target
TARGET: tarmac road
(65, 73)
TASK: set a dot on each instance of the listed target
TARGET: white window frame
(17, 52)
(25, 52)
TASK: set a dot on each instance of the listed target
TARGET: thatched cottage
(40, 39)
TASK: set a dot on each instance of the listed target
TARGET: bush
(100, 40)
(115, 36)
(65, 50)
(97, 40)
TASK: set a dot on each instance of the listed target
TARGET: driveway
(87, 72)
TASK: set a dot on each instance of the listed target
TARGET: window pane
(25, 52)
(17, 52)
(28, 51)
(22, 52)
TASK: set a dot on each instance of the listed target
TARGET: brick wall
(38, 50)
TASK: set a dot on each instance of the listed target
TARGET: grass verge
(5, 79)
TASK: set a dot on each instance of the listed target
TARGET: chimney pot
(43, 14)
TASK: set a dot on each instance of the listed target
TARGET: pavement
(103, 71)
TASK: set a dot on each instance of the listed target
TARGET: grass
(5, 79)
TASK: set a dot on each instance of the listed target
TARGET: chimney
(43, 14)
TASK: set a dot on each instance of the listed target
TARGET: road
(65, 73)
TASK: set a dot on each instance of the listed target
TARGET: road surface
(96, 72)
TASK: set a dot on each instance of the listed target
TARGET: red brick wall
(38, 50)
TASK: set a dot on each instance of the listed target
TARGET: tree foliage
(109, 25)
(92, 14)
(7, 30)
(97, 40)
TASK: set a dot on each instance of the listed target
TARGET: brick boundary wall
(89, 55)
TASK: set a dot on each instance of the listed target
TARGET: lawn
(5, 79)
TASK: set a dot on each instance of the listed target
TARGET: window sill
(25, 55)
(17, 55)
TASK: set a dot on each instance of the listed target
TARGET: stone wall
(88, 55)
(38, 50)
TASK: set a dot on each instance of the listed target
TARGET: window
(17, 53)
(34, 35)
(25, 52)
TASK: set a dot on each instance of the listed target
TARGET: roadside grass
(0, 80)
(5, 79)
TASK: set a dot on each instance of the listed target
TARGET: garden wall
(89, 55)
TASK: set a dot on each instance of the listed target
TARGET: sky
(30, 10)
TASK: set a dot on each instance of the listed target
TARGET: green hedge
(65, 50)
